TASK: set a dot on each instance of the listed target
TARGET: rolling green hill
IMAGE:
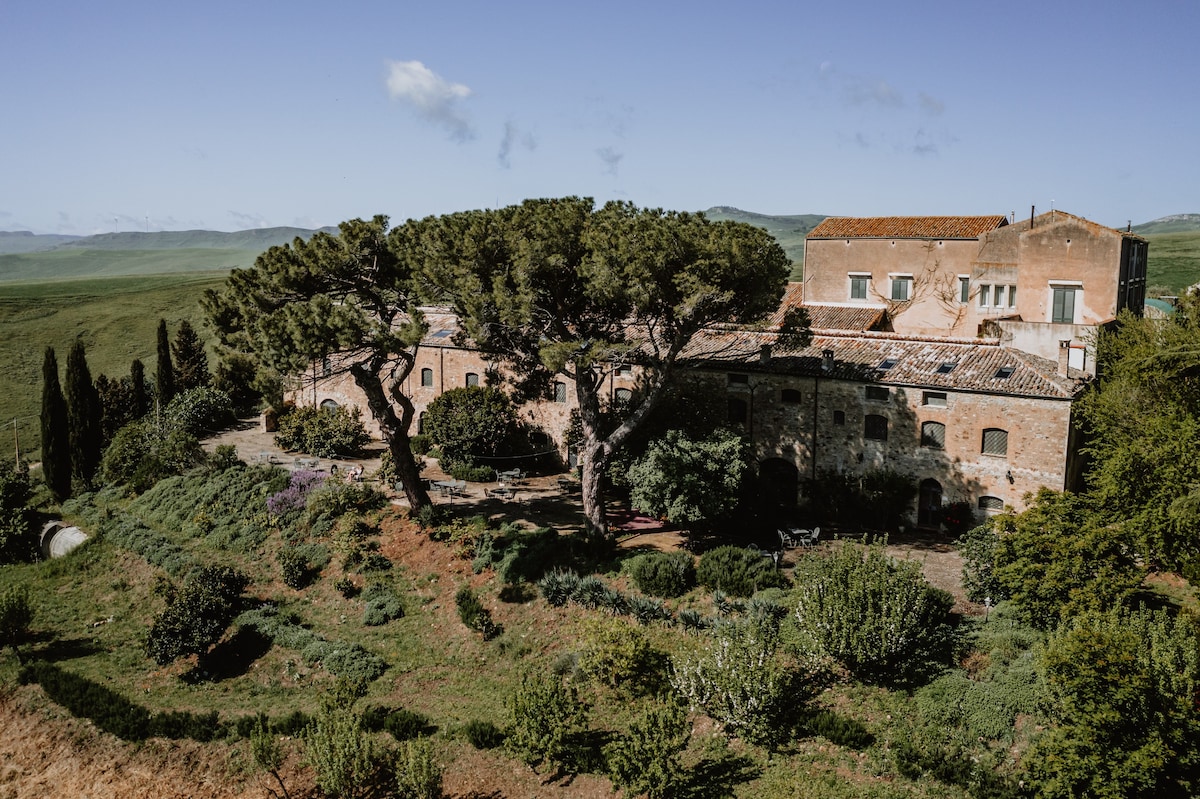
(789, 231)
(115, 316)
(1176, 223)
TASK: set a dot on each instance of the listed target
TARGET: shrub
(346, 661)
(618, 655)
(646, 760)
(420, 444)
(742, 684)
(662, 574)
(18, 533)
(294, 498)
(690, 479)
(474, 615)
(483, 734)
(647, 610)
(201, 411)
(737, 571)
(297, 572)
(545, 718)
(470, 423)
(558, 586)
(16, 614)
(978, 549)
(197, 615)
(471, 473)
(345, 586)
(144, 452)
(418, 775)
(382, 604)
(322, 432)
(876, 616)
(347, 762)
(402, 724)
(840, 730)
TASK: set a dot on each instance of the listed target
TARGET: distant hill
(789, 231)
(1175, 223)
(27, 257)
(18, 241)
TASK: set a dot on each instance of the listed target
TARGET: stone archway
(329, 405)
(779, 483)
(929, 503)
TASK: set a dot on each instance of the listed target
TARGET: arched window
(991, 503)
(933, 435)
(421, 424)
(790, 395)
(623, 395)
(995, 442)
(560, 391)
(472, 379)
(328, 405)
(426, 378)
(875, 427)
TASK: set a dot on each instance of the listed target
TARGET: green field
(1174, 260)
(115, 317)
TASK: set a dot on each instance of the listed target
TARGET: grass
(115, 317)
(1173, 260)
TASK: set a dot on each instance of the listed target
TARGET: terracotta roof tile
(917, 361)
(906, 227)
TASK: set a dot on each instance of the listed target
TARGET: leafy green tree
(349, 764)
(978, 549)
(690, 479)
(235, 374)
(545, 717)
(200, 411)
(16, 614)
(470, 423)
(116, 405)
(164, 376)
(18, 532)
(344, 299)
(1060, 557)
(1121, 688)
(645, 761)
(876, 616)
(1142, 424)
(418, 774)
(558, 289)
(85, 433)
(190, 359)
(196, 615)
(56, 448)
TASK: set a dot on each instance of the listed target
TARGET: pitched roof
(830, 315)
(906, 227)
(915, 361)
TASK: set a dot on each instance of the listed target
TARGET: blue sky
(226, 116)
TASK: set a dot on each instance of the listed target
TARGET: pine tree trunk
(394, 430)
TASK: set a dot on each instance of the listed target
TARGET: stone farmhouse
(950, 349)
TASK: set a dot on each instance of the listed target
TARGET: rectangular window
(858, 286)
(1012, 296)
(934, 399)
(901, 288)
(878, 393)
(560, 391)
(839, 417)
(964, 289)
(985, 294)
(998, 297)
(426, 378)
(472, 379)
(933, 435)
(1063, 310)
(875, 428)
(738, 380)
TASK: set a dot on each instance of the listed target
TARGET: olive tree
(559, 291)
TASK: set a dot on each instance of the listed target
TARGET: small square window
(886, 364)
(934, 399)
(790, 395)
(947, 367)
(625, 371)
(878, 393)
(933, 435)
(901, 289)
(739, 380)
(1005, 372)
(875, 427)
(995, 442)
(839, 417)
(472, 379)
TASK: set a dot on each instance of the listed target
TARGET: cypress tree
(56, 452)
(165, 376)
(83, 416)
(191, 363)
(141, 401)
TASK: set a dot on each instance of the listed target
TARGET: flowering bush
(295, 496)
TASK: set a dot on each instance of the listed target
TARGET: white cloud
(432, 96)
(247, 221)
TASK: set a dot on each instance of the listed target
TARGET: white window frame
(1074, 286)
(854, 277)
(964, 289)
(897, 279)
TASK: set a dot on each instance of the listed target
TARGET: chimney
(1032, 208)
(826, 361)
(764, 353)
(1064, 357)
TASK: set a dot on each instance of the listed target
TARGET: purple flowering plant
(293, 498)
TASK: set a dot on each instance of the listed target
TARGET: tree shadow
(716, 778)
(54, 650)
(230, 658)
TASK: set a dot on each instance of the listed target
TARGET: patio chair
(811, 536)
(786, 539)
